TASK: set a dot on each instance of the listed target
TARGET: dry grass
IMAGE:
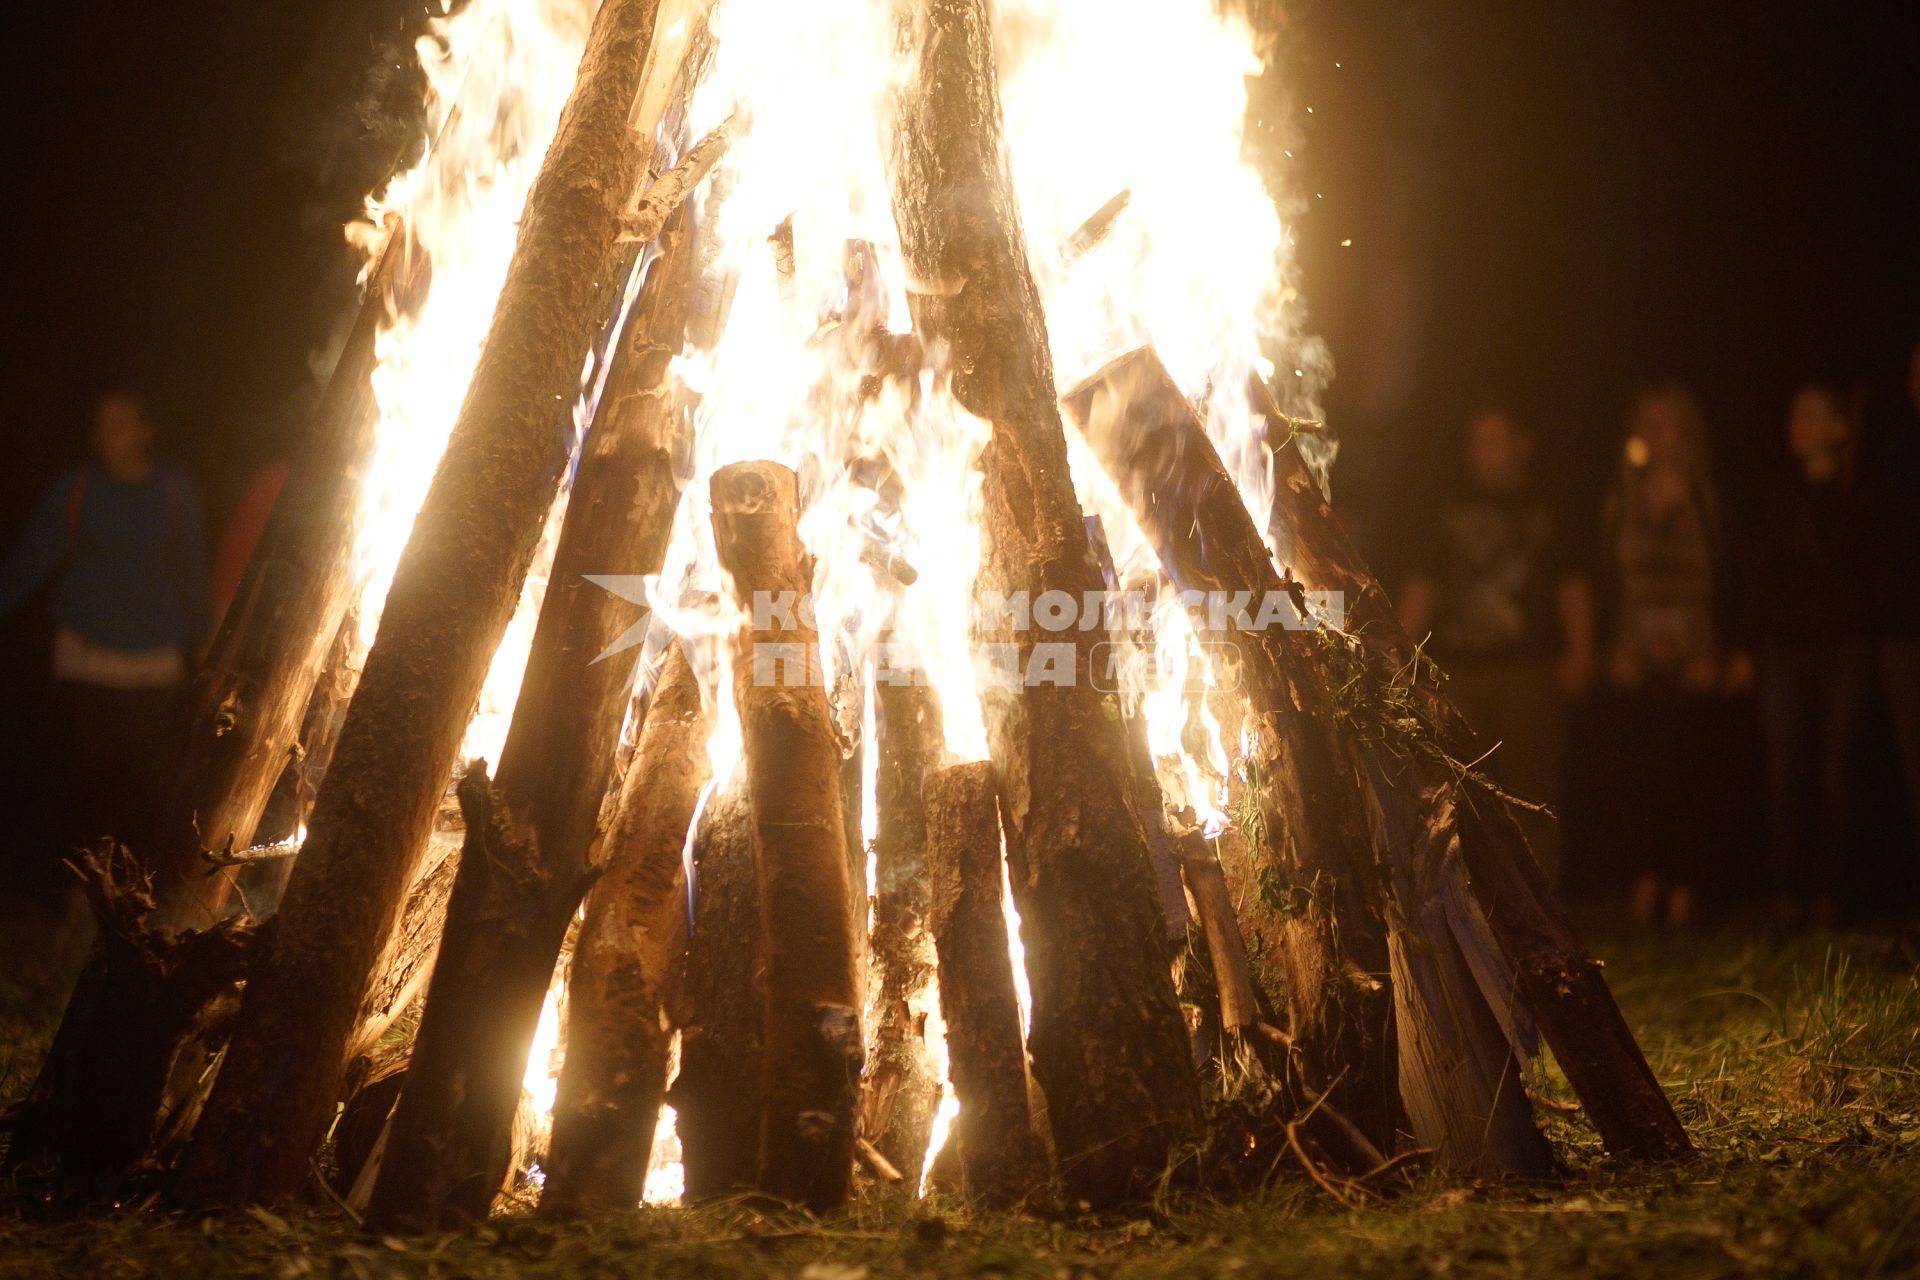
(1796, 1065)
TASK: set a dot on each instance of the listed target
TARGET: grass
(1795, 1064)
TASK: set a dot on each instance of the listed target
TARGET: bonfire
(817, 661)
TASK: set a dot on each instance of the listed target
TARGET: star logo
(629, 587)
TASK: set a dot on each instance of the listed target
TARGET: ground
(1795, 1063)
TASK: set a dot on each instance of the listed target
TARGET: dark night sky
(1549, 202)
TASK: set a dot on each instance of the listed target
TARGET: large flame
(1129, 112)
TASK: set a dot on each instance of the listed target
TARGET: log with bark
(1554, 972)
(273, 643)
(1108, 1042)
(716, 1095)
(902, 1088)
(1001, 1160)
(1322, 894)
(813, 1051)
(628, 962)
(529, 854)
(453, 594)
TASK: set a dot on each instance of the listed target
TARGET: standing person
(121, 541)
(1671, 649)
(1510, 617)
(1816, 657)
(1893, 490)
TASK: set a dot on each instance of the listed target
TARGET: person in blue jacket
(121, 542)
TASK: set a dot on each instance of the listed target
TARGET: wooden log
(140, 1019)
(526, 868)
(1555, 973)
(628, 963)
(1000, 1158)
(716, 1095)
(1109, 1045)
(902, 1088)
(1206, 886)
(453, 594)
(813, 1051)
(253, 689)
(1322, 888)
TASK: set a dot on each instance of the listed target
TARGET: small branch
(651, 211)
(878, 1165)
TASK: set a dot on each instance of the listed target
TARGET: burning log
(716, 1095)
(273, 644)
(902, 1090)
(627, 965)
(137, 1026)
(1557, 976)
(1206, 886)
(1109, 1046)
(1001, 1160)
(1307, 777)
(813, 1051)
(528, 856)
(452, 597)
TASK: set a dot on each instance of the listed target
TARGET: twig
(651, 211)
(878, 1165)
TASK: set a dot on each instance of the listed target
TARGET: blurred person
(1892, 485)
(1671, 650)
(1507, 614)
(242, 533)
(1816, 657)
(120, 540)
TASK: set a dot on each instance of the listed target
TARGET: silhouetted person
(1816, 656)
(120, 539)
(1509, 614)
(1672, 647)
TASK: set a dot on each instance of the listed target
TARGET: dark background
(1549, 204)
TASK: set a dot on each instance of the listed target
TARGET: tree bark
(813, 1051)
(140, 1021)
(1552, 968)
(628, 964)
(272, 646)
(902, 1090)
(1109, 1046)
(453, 593)
(716, 1095)
(1322, 891)
(1000, 1158)
(523, 875)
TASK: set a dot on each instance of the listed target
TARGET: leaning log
(1323, 893)
(716, 1095)
(1001, 1160)
(627, 964)
(453, 594)
(1109, 1046)
(272, 646)
(1552, 968)
(902, 1088)
(813, 1052)
(526, 866)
